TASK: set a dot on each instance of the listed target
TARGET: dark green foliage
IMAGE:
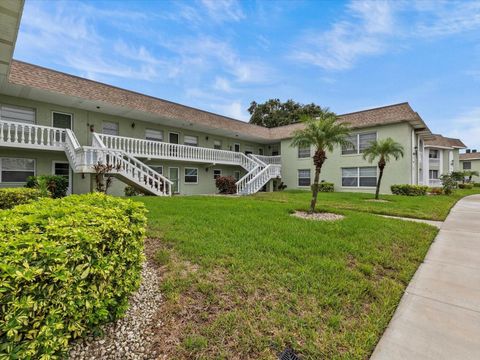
(466, 186)
(409, 190)
(449, 183)
(56, 185)
(133, 191)
(324, 187)
(68, 265)
(457, 175)
(273, 112)
(11, 197)
(476, 184)
(226, 185)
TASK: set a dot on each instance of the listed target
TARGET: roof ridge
(377, 108)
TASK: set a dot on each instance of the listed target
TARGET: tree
(273, 112)
(471, 174)
(323, 132)
(382, 149)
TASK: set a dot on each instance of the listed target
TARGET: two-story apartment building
(56, 123)
(470, 161)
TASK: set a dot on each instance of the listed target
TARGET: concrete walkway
(437, 224)
(439, 314)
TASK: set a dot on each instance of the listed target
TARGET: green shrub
(10, 197)
(409, 190)
(68, 265)
(132, 191)
(476, 184)
(448, 183)
(466, 186)
(56, 185)
(435, 190)
(324, 187)
(226, 184)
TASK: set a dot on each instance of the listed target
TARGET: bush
(10, 197)
(56, 185)
(448, 183)
(132, 191)
(476, 184)
(409, 190)
(466, 186)
(68, 265)
(324, 187)
(435, 191)
(226, 184)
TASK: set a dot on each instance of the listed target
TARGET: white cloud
(222, 84)
(235, 110)
(466, 126)
(224, 10)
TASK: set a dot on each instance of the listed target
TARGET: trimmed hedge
(56, 185)
(226, 184)
(10, 197)
(465, 186)
(409, 190)
(477, 184)
(324, 186)
(68, 265)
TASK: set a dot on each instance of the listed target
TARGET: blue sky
(219, 55)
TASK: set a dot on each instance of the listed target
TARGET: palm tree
(470, 174)
(382, 149)
(322, 132)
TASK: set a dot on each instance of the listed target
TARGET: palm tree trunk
(316, 180)
(381, 166)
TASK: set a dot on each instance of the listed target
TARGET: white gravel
(129, 337)
(318, 216)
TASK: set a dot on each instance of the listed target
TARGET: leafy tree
(470, 174)
(273, 112)
(323, 132)
(382, 149)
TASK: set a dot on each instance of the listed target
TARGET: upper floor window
(434, 154)
(61, 120)
(153, 135)
(110, 128)
(303, 152)
(17, 114)
(358, 143)
(190, 140)
(16, 170)
(217, 144)
(467, 165)
(236, 147)
(260, 151)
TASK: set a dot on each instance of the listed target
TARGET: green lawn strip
(244, 277)
(430, 207)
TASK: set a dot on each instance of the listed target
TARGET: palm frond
(385, 148)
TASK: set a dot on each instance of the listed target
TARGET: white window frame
(469, 165)
(16, 182)
(309, 178)
(435, 151)
(63, 113)
(190, 143)
(19, 107)
(358, 186)
(185, 175)
(176, 133)
(214, 178)
(300, 151)
(152, 138)
(154, 167)
(110, 122)
(357, 144)
(70, 173)
(220, 144)
(430, 171)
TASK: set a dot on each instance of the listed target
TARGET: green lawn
(422, 207)
(244, 279)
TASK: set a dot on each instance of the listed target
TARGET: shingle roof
(29, 75)
(439, 140)
(470, 156)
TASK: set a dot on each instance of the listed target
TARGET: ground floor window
(304, 178)
(16, 170)
(217, 173)
(467, 165)
(157, 168)
(359, 176)
(191, 175)
(433, 174)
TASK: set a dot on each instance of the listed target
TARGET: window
(153, 135)
(303, 152)
(157, 168)
(304, 177)
(467, 165)
(61, 120)
(190, 140)
(433, 174)
(173, 138)
(434, 154)
(217, 173)
(217, 144)
(236, 147)
(260, 151)
(359, 176)
(16, 170)
(191, 175)
(110, 128)
(236, 175)
(17, 114)
(359, 142)
(61, 169)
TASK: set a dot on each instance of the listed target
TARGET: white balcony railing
(31, 136)
(274, 160)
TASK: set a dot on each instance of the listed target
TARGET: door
(62, 168)
(173, 176)
(173, 138)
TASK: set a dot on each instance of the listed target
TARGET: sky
(220, 55)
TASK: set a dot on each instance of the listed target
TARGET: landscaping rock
(128, 337)
(318, 216)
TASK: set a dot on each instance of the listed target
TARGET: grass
(244, 279)
(435, 207)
